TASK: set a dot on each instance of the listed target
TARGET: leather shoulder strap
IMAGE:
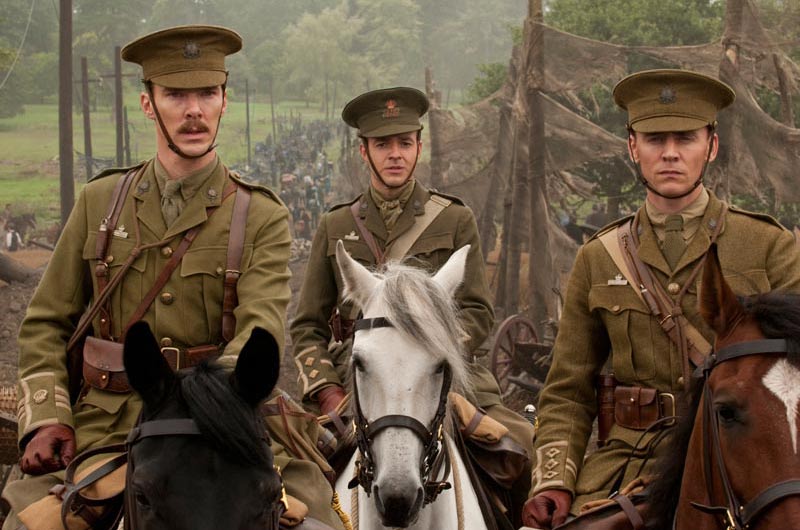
(433, 207)
(369, 239)
(233, 263)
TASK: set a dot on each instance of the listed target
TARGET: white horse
(406, 355)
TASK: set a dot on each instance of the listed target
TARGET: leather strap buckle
(668, 405)
(170, 352)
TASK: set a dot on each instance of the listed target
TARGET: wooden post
(541, 277)
(118, 104)
(66, 181)
(272, 110)
(87, 122)
(247, 122)
(437, 179)
(126, 136)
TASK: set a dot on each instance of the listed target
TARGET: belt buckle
(176, 351)
(666, 401)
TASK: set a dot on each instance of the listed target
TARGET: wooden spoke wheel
(513, 342)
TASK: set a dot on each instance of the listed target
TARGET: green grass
(29, 166)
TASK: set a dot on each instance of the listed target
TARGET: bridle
(738, 515)
(433, 458)
(170, 427)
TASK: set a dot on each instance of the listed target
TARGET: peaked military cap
(671, 100)
(386, 112)
(184, 56)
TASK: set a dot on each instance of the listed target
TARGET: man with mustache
(396, 217)
(632, 301)
(178, 241)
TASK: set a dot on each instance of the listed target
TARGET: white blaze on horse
(406, 357)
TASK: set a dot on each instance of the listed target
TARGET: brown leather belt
(104, 369)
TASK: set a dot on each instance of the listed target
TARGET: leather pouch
(635, 407)
(103, 367)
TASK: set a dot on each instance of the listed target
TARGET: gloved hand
(51, 448)
(547, 509)
(330, 397)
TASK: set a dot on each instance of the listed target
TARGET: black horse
(200, 456)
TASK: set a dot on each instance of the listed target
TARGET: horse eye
(358, 364)
(141, 499)
(727, 413)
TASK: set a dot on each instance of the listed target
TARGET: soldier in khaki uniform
(397, 212)
(185, 76)
(671, 120)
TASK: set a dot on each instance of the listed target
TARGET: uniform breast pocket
(633, 332)
(357, 249)
(433, 250)
(202, 282)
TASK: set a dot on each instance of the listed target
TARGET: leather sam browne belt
(104, 369)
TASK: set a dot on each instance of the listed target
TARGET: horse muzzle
(398, 507)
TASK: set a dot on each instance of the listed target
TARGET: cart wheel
(514, 330)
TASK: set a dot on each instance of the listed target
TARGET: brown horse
(742, 469)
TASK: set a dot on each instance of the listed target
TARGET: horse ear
(451, 274)
(148, 371)
(359, 283)
(257, 367)
(718, 304)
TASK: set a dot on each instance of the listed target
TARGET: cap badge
(191, 50)
(392, 110)
(667, 96)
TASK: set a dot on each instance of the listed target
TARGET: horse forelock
(229, 424)
(420, 308)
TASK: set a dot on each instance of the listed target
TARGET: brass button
(680, 380)
(673, 288)
(166, 252)
(166, 342)
(220, 270)
(615, 308)
(109, 259)
(212, 193)
(167, 298)
(104, 377)
(40, 396)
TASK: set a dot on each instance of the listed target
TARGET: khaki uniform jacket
(322, 288)
(603, 321)
(191, 318)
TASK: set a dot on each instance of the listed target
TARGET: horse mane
(778, 316)
(229, 424)
(421, 308)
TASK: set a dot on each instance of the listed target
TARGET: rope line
(21, 44)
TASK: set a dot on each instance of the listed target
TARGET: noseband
(169, 427)
(432, 437)
(738, 515)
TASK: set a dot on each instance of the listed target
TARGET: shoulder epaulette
(612, 225)
(116, 170)
(453, 198)
(255, 187)
(760, 216)
(343, 204)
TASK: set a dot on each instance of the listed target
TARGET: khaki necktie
(171, 201)
(674, 244)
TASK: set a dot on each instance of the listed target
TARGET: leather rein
(433, 461)
(738, 515)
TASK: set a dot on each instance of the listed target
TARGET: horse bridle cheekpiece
(738, 515)
(167, 427)
(433, 457)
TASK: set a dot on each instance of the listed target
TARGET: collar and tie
(171, 201)
(674, 243)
